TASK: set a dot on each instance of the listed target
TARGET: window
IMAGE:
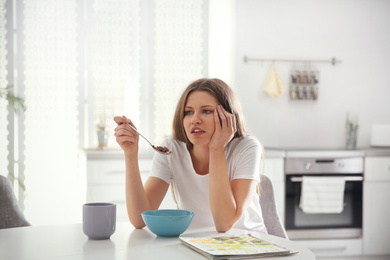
(3, 83)
(177, 60)
(112, 62)
(50, 82)
(76, 61)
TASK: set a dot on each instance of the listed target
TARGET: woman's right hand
(126, 137)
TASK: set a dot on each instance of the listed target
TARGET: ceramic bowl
(168, 222)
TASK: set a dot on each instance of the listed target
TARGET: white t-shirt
(192, 190)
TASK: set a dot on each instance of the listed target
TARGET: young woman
(214, 166)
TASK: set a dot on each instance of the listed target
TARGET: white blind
(114, 62)
(53, 177)
(80, 61)
(179, 56)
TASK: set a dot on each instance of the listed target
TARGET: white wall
(355, 31)
(221, 40)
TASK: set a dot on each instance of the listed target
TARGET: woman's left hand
(225, 128)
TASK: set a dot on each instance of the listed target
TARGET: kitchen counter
(325, 153)
(274, 153)
(374, 151)
(268, 153)
(114, 153)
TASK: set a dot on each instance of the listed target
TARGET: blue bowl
(168, 222)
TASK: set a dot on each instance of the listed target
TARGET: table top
(69, 242)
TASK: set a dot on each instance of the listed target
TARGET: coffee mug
(99, 220)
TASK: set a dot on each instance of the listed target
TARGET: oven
(318, 225)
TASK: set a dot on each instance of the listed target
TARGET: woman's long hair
(222, 93)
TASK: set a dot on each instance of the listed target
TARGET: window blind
(52, 173)
(114, 81)
(80, 61)
(179, 56)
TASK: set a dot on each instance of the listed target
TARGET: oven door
(347, 224)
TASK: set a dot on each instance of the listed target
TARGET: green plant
(12, 177)
(15, 102)
(101, 126)
(351, 124)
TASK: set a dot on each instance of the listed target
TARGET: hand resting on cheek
(225, 128)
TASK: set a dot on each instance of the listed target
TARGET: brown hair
(222, 93)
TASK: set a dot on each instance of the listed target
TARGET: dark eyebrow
(205, 106)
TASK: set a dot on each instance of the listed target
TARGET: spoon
(160, 149)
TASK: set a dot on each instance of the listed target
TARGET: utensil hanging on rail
(273, 85)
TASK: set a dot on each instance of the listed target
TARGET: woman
(214, 165)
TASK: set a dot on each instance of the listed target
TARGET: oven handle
(351, 178)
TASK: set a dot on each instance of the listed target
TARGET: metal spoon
(161, 149)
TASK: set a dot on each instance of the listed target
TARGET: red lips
(197, 131)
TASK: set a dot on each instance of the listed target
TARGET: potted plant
(351, 130)
(102, 133)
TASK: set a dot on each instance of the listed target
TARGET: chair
(268, 207)
(10, 213)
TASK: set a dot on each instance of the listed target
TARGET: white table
(69, 242)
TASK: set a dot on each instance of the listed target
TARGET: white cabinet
(274, 169)
(376, 206)
(334, 249)
(106, 179)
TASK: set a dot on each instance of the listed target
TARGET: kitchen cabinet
(376, 206)
(106, 179)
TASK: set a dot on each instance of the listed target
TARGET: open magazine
(234, 247)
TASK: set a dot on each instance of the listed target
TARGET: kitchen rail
(333, 61)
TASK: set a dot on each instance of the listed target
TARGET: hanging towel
(322, 194)
(273, 86)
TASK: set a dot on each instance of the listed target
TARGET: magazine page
(233, 246)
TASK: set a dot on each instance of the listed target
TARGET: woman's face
(198, 119)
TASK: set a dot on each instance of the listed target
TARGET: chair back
(268, 207)
(10, 213)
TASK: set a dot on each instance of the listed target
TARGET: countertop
(377, 151)
(115, 153)
(325, 153)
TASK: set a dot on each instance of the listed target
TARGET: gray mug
(99, 220)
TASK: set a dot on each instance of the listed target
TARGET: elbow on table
(223, 228)
(137, 224)
(224, 223)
